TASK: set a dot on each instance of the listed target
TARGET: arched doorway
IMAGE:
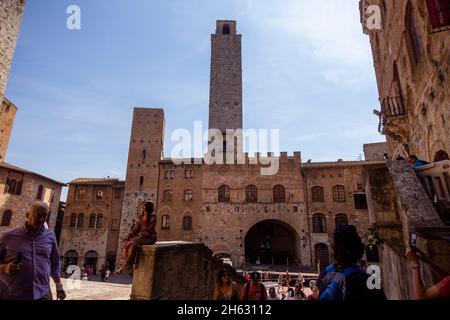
(70, 258)
(271, 242)
(111, 260)
(90, 261)
(322, 255)
(441, 156)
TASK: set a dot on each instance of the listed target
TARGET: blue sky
(307, 70)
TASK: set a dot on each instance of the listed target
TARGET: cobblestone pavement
(93, 290)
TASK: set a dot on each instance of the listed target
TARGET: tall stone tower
(7, 117)
(146, 149)
(11, 12)
(225, 99)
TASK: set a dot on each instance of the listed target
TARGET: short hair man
(29, 255)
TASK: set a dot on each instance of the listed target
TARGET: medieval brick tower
(11, 12)
(146, 148)
(225, 105)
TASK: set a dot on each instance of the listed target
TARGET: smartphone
(18, 258)
(413, 241)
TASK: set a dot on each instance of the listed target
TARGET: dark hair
(413, 157)
(254, 276)
(348, 247)
(220, 274)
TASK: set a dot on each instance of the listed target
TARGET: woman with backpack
(345, 279)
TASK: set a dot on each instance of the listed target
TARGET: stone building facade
(232, 208)
(412, 61)
(19, 188)
(412, 65)
(91, 223)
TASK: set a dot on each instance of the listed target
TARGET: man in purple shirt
(29, 255)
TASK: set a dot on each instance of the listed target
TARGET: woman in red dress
(142, 233)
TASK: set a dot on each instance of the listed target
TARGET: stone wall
(423, 84)
(398, 206)
(7, 117)
(11, 12)
(375, 151)
(177, 271)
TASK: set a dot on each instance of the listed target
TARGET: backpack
(335, 281)
(247, 290)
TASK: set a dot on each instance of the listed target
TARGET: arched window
(322, 255)
(224, 194)
(226, 29)
(319, 223)
(338, 194)
(413, 37)
(251, 194)
(189, 174)
(167, 196)
(11, 186)
(279, 194)
(341, 219)
(165, 222)
(99, 223)
(92, 221)
(144, 155)
(73, 220)
(187, 195)
(441, 156)
(6, 219)
(40, 192)
(80, 221)
(141, 183)
(317, 194)
(81, 192)
(187, 223)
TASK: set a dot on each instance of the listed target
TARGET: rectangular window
(117, 193)
(360, 201)
(115, 224)
(439, 13)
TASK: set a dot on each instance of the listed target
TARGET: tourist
(290, 294)
(24, 272)
(300, 279)
(254, 290)
(416, 162)
(438, 291)
(103, 273)
(298, 293)
(143, 233)
(314, 296)
(345, 279)
(107, 274)
(225, 288)
(273, 295)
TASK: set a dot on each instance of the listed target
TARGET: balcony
(393, 118)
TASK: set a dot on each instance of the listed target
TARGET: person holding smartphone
(438, 291)
(29, 256)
